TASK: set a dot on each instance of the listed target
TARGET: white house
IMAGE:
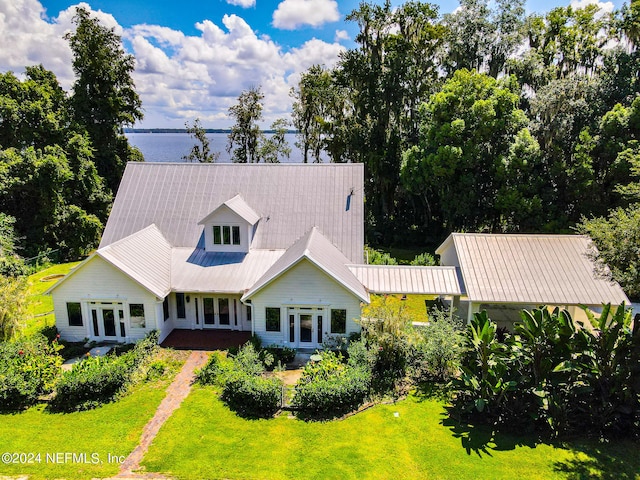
(277, 249)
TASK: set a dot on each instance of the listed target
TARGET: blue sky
(195, 57)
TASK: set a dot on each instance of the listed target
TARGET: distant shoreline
(184, 130)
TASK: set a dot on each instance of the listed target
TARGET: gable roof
(408, 279)
(316, 248)
(144, 256)
(290, 199)
(530, 269)
(239, 207)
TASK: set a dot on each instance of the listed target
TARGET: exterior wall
(506, 314)
(227, 217)
(449, 256)
(98, 281)
(191, 322)
(303, 285)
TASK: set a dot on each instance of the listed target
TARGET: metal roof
(408, 280)
(531, 269)
(238, 206)
(316, 248)
(288, 198)
(144, 256)
(201, 271)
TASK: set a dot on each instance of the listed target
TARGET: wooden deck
(205, 339)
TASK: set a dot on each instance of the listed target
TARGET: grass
(40, 309)
(109, 432)
(203, 439)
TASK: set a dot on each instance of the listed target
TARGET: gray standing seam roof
(144, 256)
(316, 248)
(531, 269)
(408, 280)
(289, 198)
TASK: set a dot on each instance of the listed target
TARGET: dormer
(230, 227)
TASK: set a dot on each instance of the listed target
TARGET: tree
(466, 153)
(245, 134)
(314, 106)
(104, 97)
(10, 263)
(34, 112)
(617, 240)
(386, 78)
(200, 153)
(274, 147)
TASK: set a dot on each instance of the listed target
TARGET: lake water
(172, 147)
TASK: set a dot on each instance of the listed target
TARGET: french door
(306, 327)
(107, 321)
(217, 312)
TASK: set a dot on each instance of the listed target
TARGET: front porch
(181, 339)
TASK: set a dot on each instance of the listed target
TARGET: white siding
(304, 284)
(98, 280)
(225, 216)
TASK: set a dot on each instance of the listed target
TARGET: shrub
(377, 257)
(214, 372)
(424, 259)
(329, 388)
(250, 361)
(437, 348)
(386, 328)
(281, 355)
(253, 396)
(97, 380)
(28, 369)
(91, 382)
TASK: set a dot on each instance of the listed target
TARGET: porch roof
(201, 271)
(409, 280)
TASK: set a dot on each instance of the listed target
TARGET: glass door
(109, 323)
(209, 312)
(306, 328)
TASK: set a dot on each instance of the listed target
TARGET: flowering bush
(28, 369)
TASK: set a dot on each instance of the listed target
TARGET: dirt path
(176, 393)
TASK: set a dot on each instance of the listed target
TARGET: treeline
(62, 155)
(485, 119)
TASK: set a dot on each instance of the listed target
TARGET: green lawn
(203, 439)
(111, 430)
(40, 308)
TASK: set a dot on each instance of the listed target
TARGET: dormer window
(230, 227)
(226, 235)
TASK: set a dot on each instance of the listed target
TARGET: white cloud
(341, 35)
(292, 14)
(605, 7)
(242, 3)
(203, 75)
(178, 77)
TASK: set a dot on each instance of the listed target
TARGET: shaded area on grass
(590, 459)
(406, 439)
(604, 462)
